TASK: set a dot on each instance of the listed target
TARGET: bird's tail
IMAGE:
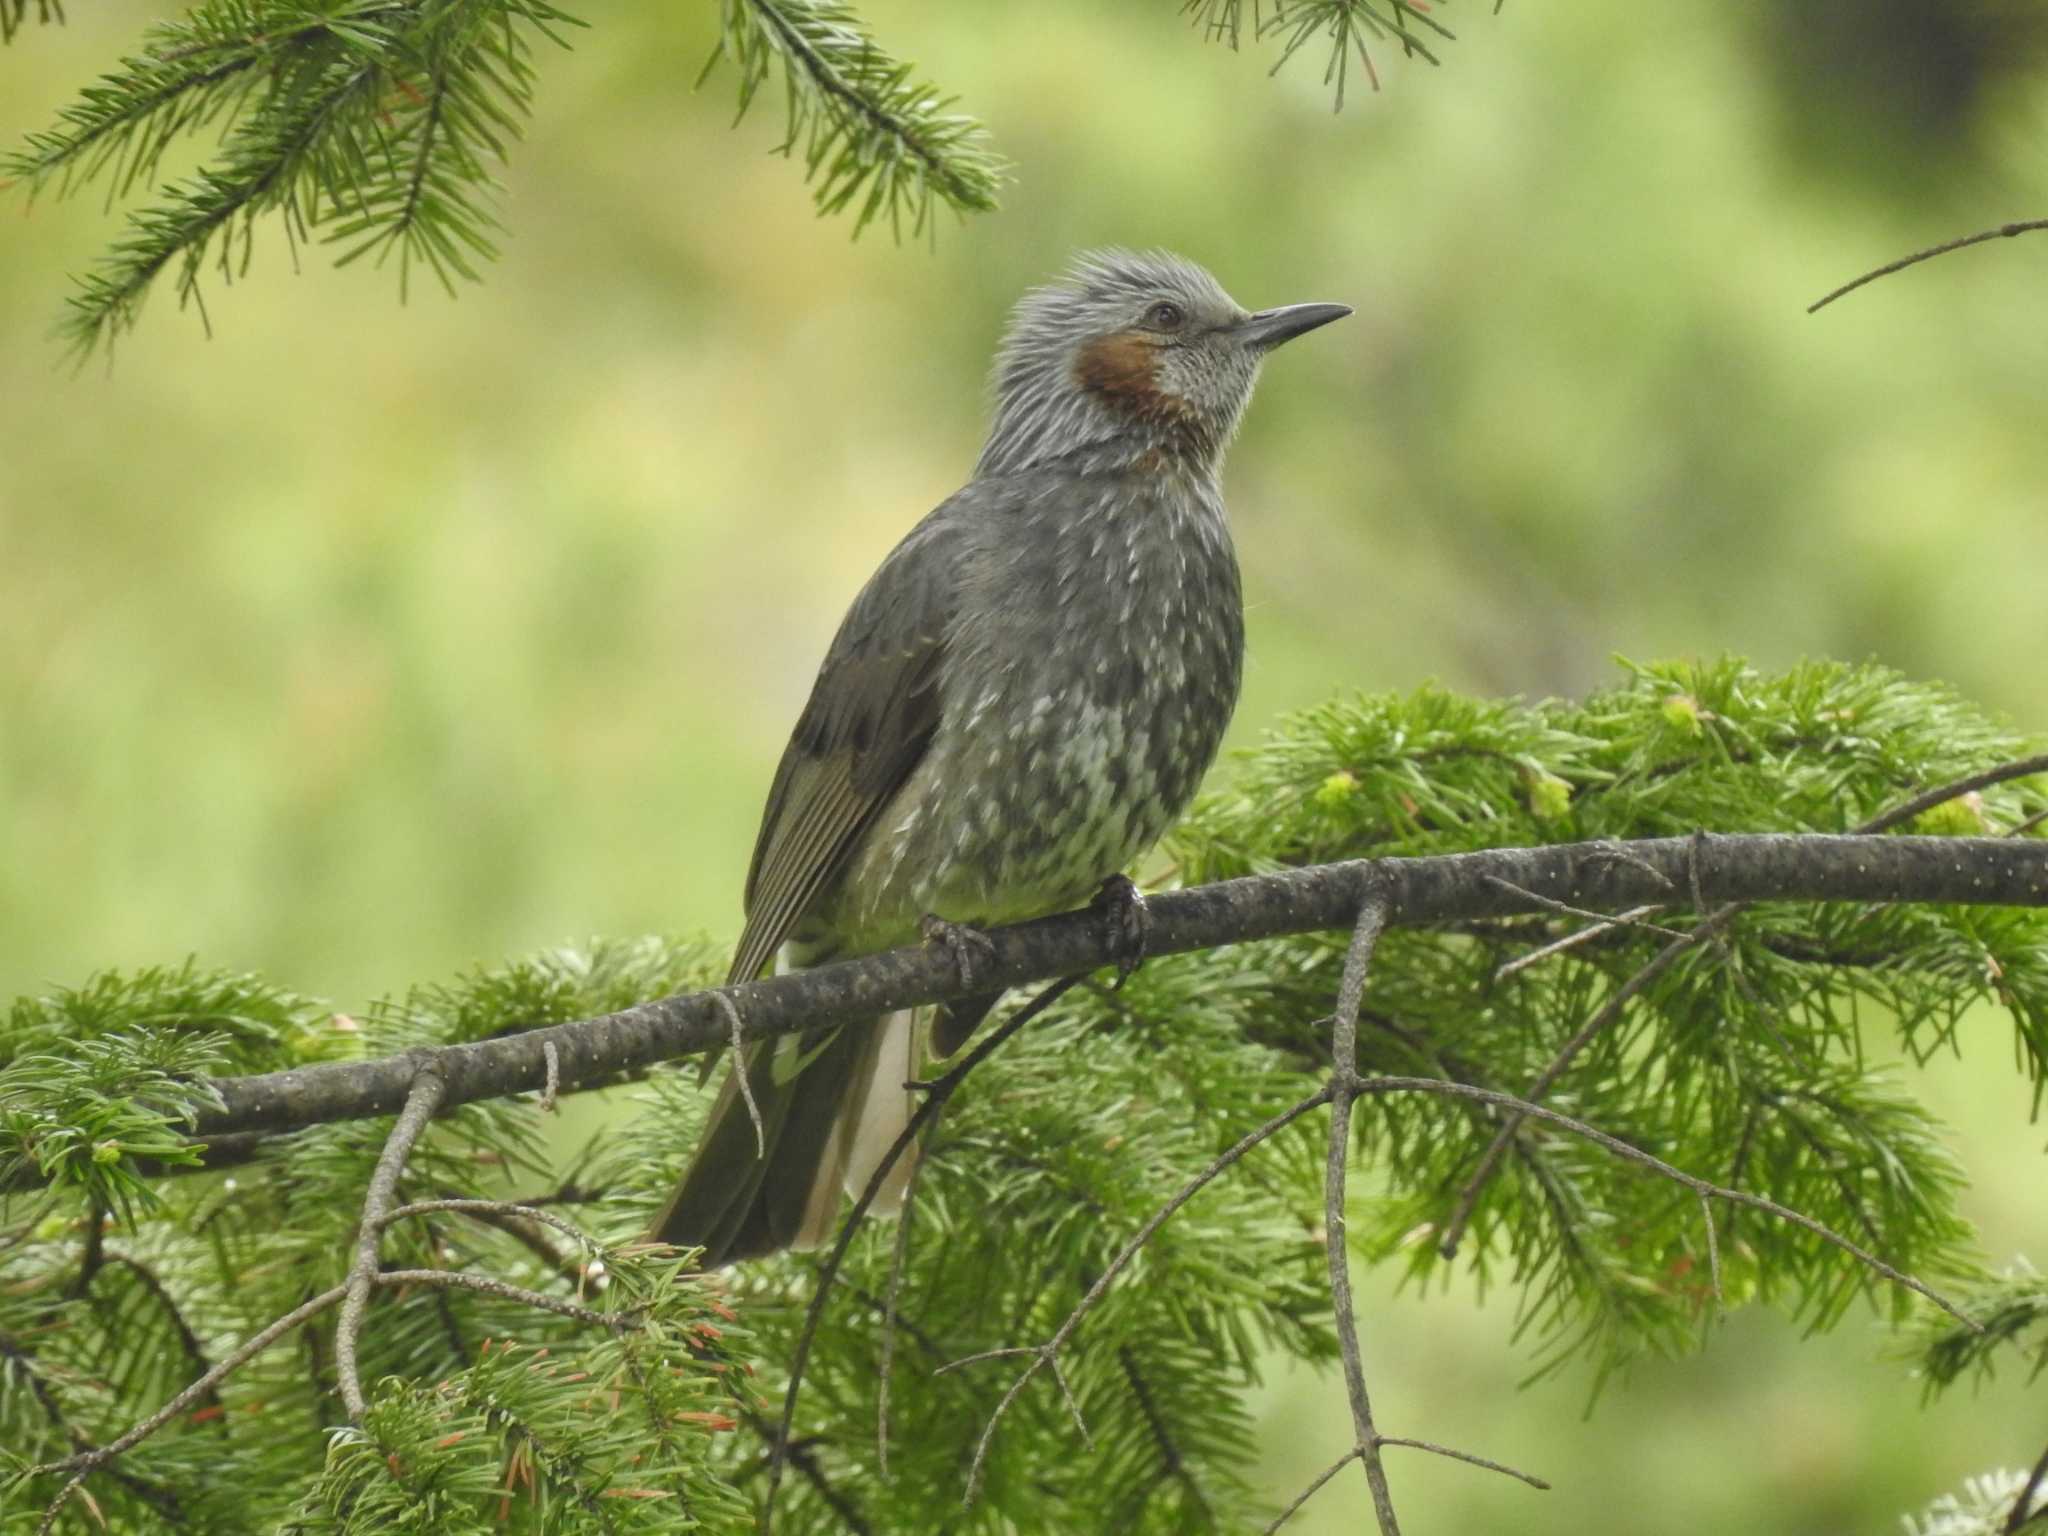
(832, 1103)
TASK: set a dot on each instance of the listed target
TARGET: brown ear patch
(1123, 369)
(1123, 366)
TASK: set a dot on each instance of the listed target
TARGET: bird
(1022, 698)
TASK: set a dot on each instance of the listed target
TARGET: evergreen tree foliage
(1760, 1061)
(376, 126)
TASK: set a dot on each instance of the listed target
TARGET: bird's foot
(970, 948)
(1129, 920)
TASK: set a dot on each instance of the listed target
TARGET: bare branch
(2003, 232)
(420, 1105)
(742, 1076)
(1713, 1249)
(1629, 919)
(1575, 939)
(1941, 794)
(517, 1221)
(463, 1280)
(1344, 1086)
(1315, 1487)
(1439, 889)
(1453, 1454)
(553, 1086)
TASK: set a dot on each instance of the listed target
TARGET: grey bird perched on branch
(1019, 702)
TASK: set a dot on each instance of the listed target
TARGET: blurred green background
(358, 643)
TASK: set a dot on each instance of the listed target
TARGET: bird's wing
(870, 718)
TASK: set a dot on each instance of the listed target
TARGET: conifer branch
(1739, 1069)
(1711, 927)
(1704, 1188)
(865, 127)
(82, 1466)
(206, 1387)
(1419, 892)
(1348, 26)
(1046, 1356)
(372, 124)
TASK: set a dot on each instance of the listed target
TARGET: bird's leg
(1130, 923)
(970, 947)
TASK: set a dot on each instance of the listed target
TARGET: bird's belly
(1028, 806)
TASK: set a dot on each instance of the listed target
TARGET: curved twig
(2003, 232)
(420, 1105)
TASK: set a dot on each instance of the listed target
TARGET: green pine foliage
(1775, 1061)
(874, 139)
(1344, 28)
(371, 125)
(2011, 1313)
(375, 127)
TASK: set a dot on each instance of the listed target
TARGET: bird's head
(1139, 349)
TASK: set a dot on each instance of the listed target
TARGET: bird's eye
(1166, 316)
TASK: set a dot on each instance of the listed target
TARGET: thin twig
(1171, 1462)
(1575, 939)
(95, 1250)
(883, 1371)
(1453, 1454)
(1941, 794)
(420, 1105)
(2003, 232)
(188, 1337)
(517, 1222)
(1344, 1087)
(799, 1456)
(741, 1074)
(936, 1094)
(463, 1280)
(1629, 919)
(493, 1208)
(1042, 1354)
(1314, 1488)
(1713, 1249)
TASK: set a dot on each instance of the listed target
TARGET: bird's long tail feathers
(826, 1127)
(875, 1112)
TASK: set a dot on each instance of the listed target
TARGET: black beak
(1269, 327)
